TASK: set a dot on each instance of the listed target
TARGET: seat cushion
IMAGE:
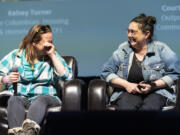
(54, 109)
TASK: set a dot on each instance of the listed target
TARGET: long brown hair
(33, 36)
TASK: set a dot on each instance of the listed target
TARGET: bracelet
(4, 80)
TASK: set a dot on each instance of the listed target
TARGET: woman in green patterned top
(39, 66)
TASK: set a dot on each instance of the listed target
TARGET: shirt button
(157, 68)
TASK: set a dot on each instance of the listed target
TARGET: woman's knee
(18, 101)
(129, 102)
(153, 102)
(13, 100)
(42, 98)
(45, 99)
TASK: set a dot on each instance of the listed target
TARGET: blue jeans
(36, 109)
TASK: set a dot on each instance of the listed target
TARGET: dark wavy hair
(147, 24)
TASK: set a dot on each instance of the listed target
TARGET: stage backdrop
(89, 30)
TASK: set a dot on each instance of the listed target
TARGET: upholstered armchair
(69, 92)
(99, 93)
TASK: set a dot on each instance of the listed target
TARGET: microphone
(15, 69)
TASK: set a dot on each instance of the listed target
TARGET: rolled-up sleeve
(168, 80)
(172, 62)
(7, 62)
(110, 68)
(67, 75)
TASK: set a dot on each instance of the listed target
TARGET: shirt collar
(150, 50)
(20, 53)
(127, 49)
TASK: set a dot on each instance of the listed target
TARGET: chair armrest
(4, 96)
(97, 95)
(2, 87)
(71, 95)
(178, 94)
(72, 62)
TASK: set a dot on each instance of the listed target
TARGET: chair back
(178, 94)
(72, 62)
